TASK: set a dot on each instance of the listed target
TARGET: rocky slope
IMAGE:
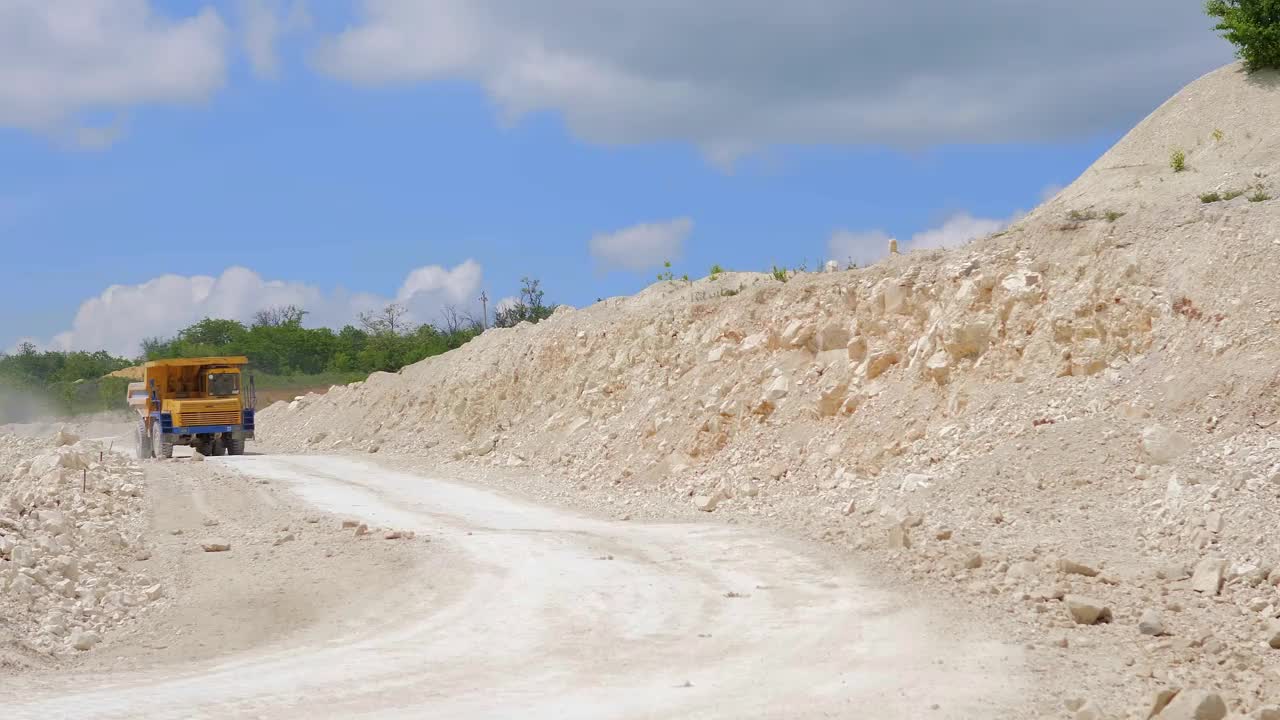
(1073, 421)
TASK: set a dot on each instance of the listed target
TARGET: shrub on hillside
(1253, 26)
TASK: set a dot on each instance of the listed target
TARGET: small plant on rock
(779, 274)
(1217, 135)
(1210, 197)
(666, 274)
(1113, 215)
(716, 270)
(1178, 161)
(1259, 195)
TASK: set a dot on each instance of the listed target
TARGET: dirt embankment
(1071, 426)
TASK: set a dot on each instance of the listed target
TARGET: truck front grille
(214, 417)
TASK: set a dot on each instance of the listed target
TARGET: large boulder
(1162, 445)
(1208, 576)
(1085, 610)
(1194, 705)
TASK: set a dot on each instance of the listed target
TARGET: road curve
(563, 616)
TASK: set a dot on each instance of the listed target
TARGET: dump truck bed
(220, 361)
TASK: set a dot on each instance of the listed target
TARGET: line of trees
(277, 343)
(35, 383)
(31, 366)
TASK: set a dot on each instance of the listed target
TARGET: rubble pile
(70, 525)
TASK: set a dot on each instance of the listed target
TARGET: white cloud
(261, 26)
(866, 247)
(957, 230)
(861, 248)
(123, 315)
(264, 23)
(641, 247)
(433, 287)
(1050, 192)
(62, 58)
(734, 75)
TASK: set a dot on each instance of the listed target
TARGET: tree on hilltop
(529, 307)
(1253, 26)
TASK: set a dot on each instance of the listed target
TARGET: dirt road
(554, 615)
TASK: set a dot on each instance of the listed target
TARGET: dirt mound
(135, 373)
(1086, 403)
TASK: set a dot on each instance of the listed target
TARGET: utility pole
(484, 302)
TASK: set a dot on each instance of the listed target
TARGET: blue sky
(298, 143)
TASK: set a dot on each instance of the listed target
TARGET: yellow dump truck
(201, 402)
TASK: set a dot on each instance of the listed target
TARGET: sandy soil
(259, 593)
(500, 606)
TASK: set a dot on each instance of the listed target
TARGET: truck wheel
(160, 447)
(235, 447)
(143, 441)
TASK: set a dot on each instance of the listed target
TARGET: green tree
(1253, 26)
(389, 320)
(529, 307)
(348, 345)
(278, 315)
(216, 333)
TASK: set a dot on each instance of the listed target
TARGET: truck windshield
(223, 384)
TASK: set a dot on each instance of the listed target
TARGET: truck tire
(160, 447)
(143, 440)
(235, 447)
